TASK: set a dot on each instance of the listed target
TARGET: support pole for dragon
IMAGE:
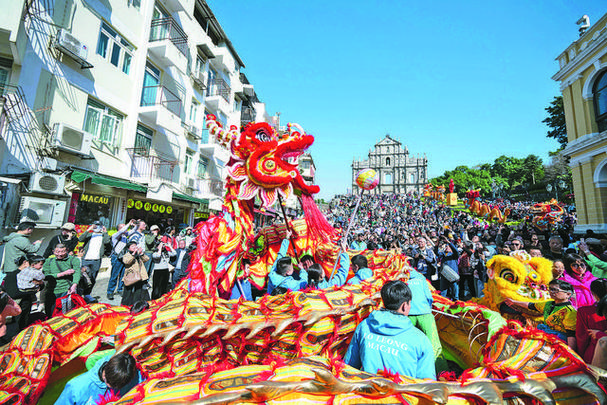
(366, 179)
(284, 214)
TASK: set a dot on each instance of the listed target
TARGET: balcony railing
(147, 167)
(14, 102)
(160, 95)
(168, 28)
(219, 87)
(247, 115)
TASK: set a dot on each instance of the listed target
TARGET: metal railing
(15, 105)
(219, 87)
(168, 28)
(247, 115)
(160, 95)
(147, 167)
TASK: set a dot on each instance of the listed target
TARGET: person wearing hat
(67, 236)
(17, 244)
(95, 239)
(560, 316)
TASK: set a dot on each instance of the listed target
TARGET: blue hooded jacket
(288, 282)
(361, 274)
(421, 300)
(342, 273)
(388, 340)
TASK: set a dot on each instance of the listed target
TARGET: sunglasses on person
(556, 290)
(577, 265)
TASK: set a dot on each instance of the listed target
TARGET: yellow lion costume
(518, 277)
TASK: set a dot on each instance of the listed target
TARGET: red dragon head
(264, 161)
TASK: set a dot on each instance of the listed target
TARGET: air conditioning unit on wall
(71, 45)
(47, 183)
(72, 140)
(46, 213)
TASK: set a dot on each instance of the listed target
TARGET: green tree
(509, 168)
(533, 169)
(556, 121)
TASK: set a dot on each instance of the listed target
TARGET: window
(135, 3)
(143, 138)
(5, 73)
(104, 123)
(203, 163)
(200, 65)
(599, 93)
(388, 178)
(151, 82)
(194, 110)
(387, 161)
(189, 158)
(211, 81)
(115, 49)
(412, 178)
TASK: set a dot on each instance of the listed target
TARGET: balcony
(199, 78)
(161, 107)
(247, 115)
(148, 168)
(193, 131)
(169, 43)
(218, 96)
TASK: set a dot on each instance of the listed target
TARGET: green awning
(80, 176)
(190, 198)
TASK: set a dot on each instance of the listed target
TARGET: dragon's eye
(262, 136)
(508, 275)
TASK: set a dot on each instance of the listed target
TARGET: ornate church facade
(398, 172)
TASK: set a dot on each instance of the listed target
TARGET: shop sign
(201, 215)
(97, 199)
(147, 206)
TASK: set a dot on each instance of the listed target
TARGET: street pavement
(103, 278)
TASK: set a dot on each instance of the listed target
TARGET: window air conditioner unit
(71, 45)
(72, 140)
(47, 183)
(43, 211)
(193, 131)
(191, 183)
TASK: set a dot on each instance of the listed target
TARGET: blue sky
(462, 81)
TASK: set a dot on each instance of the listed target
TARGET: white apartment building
(103, 106)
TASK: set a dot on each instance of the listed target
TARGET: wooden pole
(345, 237)
(284, 214)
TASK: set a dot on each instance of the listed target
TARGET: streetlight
(557, 184)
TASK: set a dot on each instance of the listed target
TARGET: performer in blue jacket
(421, 316)
(316, 275)
(387, 340)
(361, 269)
(117, 373)
(281, 273)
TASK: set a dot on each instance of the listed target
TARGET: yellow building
(583, 77)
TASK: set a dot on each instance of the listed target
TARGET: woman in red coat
(590, 325)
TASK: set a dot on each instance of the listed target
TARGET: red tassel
(318, 227)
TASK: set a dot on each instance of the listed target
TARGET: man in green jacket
(18, 244)
(63, 275)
